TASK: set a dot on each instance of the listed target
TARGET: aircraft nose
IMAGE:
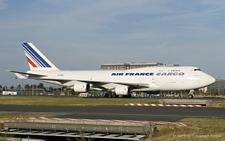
(211, 79)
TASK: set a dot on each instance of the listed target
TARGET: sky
(83, 34)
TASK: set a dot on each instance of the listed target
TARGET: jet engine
(122, 90)
(81, 87)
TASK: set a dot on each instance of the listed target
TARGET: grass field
(70, 101)
(199, 129)
(220, 103)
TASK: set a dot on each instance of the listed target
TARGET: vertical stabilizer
(37, 60)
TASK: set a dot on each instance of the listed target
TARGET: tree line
(25, 87)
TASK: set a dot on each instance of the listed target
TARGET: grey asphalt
(118, 112)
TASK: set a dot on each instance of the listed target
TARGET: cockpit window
(197, 69)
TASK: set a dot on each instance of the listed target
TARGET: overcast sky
(83, 34)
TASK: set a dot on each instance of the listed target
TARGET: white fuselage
(154, 78)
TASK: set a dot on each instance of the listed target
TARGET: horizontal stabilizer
(30, 74)
(20, 76)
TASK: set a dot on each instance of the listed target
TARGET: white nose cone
(209, 80)
(212, 80)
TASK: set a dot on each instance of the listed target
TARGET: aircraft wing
(153, 88)
(102, 83)
(94, 84)
(98, 84)
(135, 87)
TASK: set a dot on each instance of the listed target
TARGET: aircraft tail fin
(37, 60)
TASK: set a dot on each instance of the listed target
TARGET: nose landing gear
(191, 94)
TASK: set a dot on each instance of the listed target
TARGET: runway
(117, 112)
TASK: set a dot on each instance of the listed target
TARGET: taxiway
(117, 112)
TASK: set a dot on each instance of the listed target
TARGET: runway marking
(165, 105)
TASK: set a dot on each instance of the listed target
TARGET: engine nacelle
(81, 87)
(123, 90)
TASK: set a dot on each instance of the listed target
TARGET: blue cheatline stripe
(35, 55)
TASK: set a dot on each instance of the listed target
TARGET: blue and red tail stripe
(35, 57)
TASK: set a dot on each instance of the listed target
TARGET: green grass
(219, 103)
(71, 101)
(199, 129)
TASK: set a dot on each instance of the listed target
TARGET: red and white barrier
(165, 105)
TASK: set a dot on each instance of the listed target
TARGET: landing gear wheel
(190, 96)
(114, 95)
(109, 95)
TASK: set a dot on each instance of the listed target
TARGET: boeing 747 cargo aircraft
(115, 82)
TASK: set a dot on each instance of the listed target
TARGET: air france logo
(133, 74)
(149, 74)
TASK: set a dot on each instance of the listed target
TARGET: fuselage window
(197, 69)
(175, 70)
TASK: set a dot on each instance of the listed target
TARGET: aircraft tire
(190, 96)
(109, 95)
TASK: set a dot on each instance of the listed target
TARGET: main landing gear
(113, 95)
